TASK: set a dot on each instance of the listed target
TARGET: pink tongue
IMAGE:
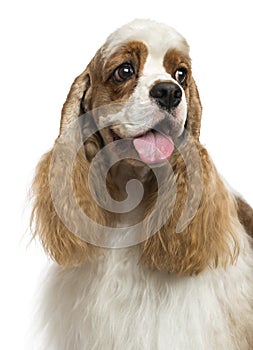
(153, 147)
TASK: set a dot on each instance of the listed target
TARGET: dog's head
(144, 67)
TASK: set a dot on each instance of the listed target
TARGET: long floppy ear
(194, 110)
(209, 238)
(64, 246)
(72, 108)
(76, 105)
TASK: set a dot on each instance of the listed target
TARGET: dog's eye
(124, 72)
(181, 75)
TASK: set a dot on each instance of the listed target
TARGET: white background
(44, 45)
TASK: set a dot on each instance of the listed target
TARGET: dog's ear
(208, 236)
(194, 110)
(54, 216)
(78, 102)
(62, 245)
(72, 108)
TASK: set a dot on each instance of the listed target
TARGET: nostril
(178, 93)
(177, 97)
(158, 91)
(166, 94)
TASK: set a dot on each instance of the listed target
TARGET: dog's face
(145, 69)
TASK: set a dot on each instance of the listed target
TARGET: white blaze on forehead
(159, 38)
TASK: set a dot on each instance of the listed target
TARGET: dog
(152, 248)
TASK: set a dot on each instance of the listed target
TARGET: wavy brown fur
(245, 214)
(62, 245)
(210, 238)
(65, 247)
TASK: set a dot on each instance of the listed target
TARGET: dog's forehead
(159, 38)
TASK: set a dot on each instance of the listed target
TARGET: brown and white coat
(191, 289)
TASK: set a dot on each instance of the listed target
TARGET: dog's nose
(166, 94)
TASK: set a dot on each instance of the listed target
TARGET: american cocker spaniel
(152, 249)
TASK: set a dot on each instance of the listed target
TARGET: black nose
(166, 94)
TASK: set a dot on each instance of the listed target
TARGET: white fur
(157, 36)
(114, 303)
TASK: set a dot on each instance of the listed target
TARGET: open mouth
(114, 136)
(153, 147)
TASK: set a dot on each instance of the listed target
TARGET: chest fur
(114, 303)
